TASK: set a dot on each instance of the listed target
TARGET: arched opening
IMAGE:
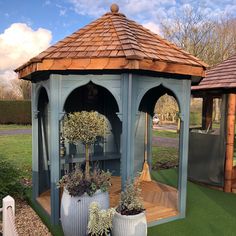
(43, 145)
(165, 135)
(162, 148)
(105, 152)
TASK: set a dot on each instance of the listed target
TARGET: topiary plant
(130, 200)
(84, 127)
(100, 221)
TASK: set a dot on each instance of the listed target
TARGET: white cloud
(47, 2)
(152, 10)
(90, 7)
(18, 44)
(62, 12)
(132, 8)
(152, 26)
(6, 78)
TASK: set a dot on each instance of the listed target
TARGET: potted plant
(82, 188)
(84, 127)
(129, 218)
(100, 221)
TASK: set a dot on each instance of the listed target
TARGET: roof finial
(114, 8)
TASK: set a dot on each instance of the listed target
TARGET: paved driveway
(15, 131)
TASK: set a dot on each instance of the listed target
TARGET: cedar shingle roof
(114, 42)
(222, 75)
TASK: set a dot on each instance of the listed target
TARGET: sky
(28, 27)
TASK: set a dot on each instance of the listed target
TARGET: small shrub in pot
(100, 221)
(129, 218)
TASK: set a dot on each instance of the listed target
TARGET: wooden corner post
(207, 109)
(54, 145)
(229, 142)
(128, 124)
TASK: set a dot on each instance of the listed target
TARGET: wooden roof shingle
(119, 41)
(221, 76)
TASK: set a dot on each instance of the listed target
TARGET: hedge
(15, 112)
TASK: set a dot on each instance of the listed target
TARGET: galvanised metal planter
(74, 211)
(132, 225)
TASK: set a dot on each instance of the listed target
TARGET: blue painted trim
(183, 147)
(145, 83)
(35, 161)
(149, 150)
(71, 82)
(54, 146)
(128, 126)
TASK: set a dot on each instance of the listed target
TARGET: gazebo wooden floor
(160, 201)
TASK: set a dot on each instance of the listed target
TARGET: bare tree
(8, 94)
(25, 89)
(211, 40)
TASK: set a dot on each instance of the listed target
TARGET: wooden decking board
(159, 200)
(45, 201)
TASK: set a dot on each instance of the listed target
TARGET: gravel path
(165, 142)
(28, 222)
(157, 141)
(15, 131)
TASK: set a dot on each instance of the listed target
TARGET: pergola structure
(120, 69)
(211, 157)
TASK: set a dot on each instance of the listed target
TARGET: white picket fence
(8, 212)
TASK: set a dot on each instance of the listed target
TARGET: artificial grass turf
(209, 212)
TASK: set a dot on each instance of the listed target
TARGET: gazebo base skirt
(160, 200)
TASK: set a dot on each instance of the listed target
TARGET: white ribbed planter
(74, 211)
(131, 225)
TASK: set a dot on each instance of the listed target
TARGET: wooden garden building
(212, 157)
(120, 69)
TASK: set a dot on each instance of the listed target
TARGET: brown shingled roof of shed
(114, 42)
(221, 76)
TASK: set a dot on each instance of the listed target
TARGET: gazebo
(212, 158)
(120, 69)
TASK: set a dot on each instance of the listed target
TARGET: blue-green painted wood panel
(139, 142)
(71, 82)
(183, 145)
(54, 145)
(35, 167)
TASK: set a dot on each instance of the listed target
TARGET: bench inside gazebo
(120, 69)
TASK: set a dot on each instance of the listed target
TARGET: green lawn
(165, 133)
(209, 212)
(162, 155)
(17, 150)
(11, 127)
